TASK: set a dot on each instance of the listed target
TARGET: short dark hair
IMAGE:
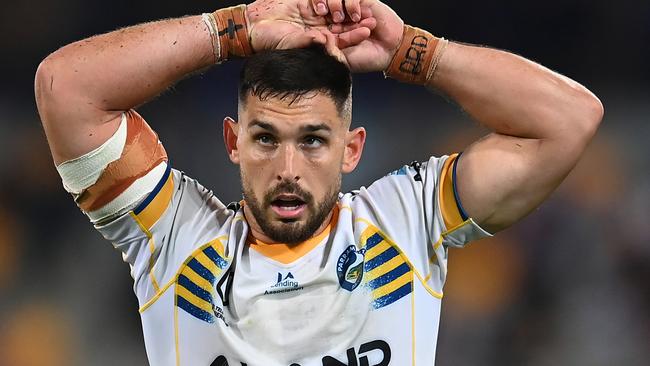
(294, 73)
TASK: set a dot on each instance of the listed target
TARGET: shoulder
(411, 181)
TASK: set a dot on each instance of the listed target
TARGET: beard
(290, 231)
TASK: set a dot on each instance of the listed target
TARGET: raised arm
(541, 123)
(83, 88)
(541, 120)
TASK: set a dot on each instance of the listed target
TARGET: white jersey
(365, 292)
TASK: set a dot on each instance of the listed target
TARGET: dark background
(566, 286)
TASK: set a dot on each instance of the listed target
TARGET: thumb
(332, 48)
(301, 39)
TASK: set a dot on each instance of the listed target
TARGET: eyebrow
(264, 125)
(306, 128)
(316, 128)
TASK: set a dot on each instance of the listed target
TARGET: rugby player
(297, 273)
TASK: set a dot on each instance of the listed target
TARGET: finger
(336, 10)
(302, 39)
(366, 12)
(353, 10)
(317, 37)
(353, 37)
(320, 7)
(332, 48)
(370, 23)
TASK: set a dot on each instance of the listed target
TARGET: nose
(289, 164)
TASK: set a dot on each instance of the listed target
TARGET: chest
(347, 302)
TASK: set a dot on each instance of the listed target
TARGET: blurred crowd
(566, 286)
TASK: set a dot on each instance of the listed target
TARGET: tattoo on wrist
(417, 57)
(413, 58)
(231, 29)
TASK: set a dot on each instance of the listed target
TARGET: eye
(265, 140)
(313, 141)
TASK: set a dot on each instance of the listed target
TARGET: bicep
(502, 178)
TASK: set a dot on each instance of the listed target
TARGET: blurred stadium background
(567, 286)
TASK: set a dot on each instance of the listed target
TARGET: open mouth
(288, 206)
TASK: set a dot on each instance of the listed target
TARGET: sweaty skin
(291, 157)
(105, 75)
(541, 121)
(305, 143)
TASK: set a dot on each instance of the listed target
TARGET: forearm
(83, 88)
(541, 121)
(122, 69)
(514, 96)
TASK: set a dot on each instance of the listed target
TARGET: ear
(353, 148)
(230, 132)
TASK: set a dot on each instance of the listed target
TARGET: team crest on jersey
(349, 267)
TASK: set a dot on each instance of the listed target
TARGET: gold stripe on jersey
(196, 278)
(211, 265)
(195, 300)
(377, 249)
(217, 243)
(149, 211)
(391, 287)
(413, 325)
(195, 290)
(446, 197)
(152, 249)
(371, 230)
(157, 296)
(385, 268)
(387, 272)
(154, 210)
(438, 244)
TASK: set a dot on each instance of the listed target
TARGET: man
(296, 273)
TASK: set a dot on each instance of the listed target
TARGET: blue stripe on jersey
(194, 288)
(373, 240)
(393, 296)
(155, 191)
(463, 214)
(193, 310)
(389, 276)
(215, 257)
(201, 270)
(384, 257)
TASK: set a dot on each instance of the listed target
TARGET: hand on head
(363, 34)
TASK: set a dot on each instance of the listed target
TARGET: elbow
(44, 82)
(52, 87)
(593, 114)
(587, 112)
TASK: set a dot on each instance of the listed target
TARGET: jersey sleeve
(151, 213)
(417, 208)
